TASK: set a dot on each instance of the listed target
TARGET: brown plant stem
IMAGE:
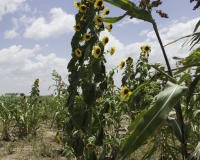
(178, 106)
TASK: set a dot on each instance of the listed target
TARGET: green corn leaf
(152, 119)
(163, 73)
(113, 19)
(184, 77)
(132, 9)
(175, 124)
(197, 26)
(192, 88)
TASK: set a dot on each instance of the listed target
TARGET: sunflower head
(36, 82)
(87, 37)
(98, 4)
(106, 11)
(78, 52)
(109, 27)
(124, 91)
(98, 20)
(112, 50)
(97, 51)
(122, 64)
(128, 96)
(145, 49)
(77, 27)
(77, 4)
(83, 8)
(105, 40)
(129, 60)
(89, 145)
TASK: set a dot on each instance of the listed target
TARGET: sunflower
(122, 64)
(89, 145)
(147, 49)
(98, 4)
(106, 11)
(91, 1)
(128, 96)
(77, 4)
(98, 20)
(97, 51)
(124, 91)
(129, 60)
(77, 27)
(105, 40)
(87, 37)
(112, 50)
(36, 82)
(78, 52)
(83, 8)
(109, 27)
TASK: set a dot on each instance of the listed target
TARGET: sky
(35, 38)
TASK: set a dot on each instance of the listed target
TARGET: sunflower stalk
(178, 105)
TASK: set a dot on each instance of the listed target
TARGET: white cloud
(11, 6)
(128, 20)
(60, 23)
(168, 34)
(143, 32)
(20, 66)
(10, 34)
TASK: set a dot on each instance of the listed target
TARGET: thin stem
(178, 106)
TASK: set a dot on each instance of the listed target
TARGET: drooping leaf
(132, 10)
(197, 26)
(184, 77)
(192, 88)
(175, 124)
(164, 73)
(89, 93)
(113, 19)
(152, 119)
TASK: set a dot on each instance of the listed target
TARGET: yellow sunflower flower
(106, 11)
(87, 37)
(109, 27)
(129, 60)
(124, 91)
(98, 3)
(77, 27)
(98, 20)
(97, 51)
(105, 40)
(145, 49)
(77, 4)
(89, 145)
(128, 96)
(83, 8)
(36, 82)
(91, 1)
(122, 64)
(78, 52)
(112, 50)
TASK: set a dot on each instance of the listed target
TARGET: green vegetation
(154, 115)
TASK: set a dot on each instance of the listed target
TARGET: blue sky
(35, 39)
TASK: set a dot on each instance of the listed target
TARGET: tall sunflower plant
(136, 79)
(85, 131)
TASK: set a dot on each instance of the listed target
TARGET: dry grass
(42, 146)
